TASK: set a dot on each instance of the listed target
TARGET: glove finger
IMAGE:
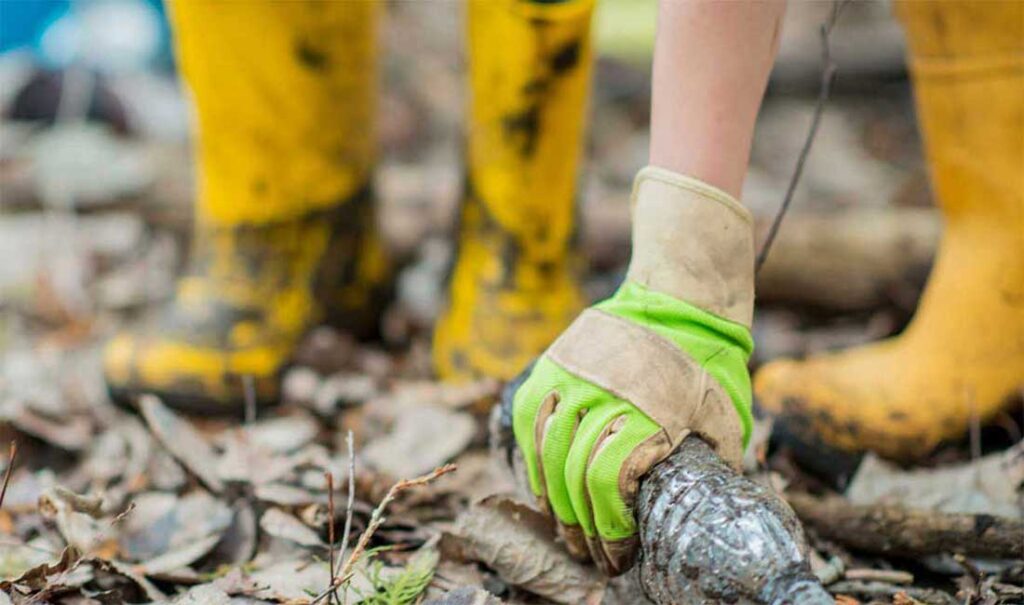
(557, 432)
(526, 403)
(543, 420)
(625, 450)
(568, 530)
(591, 427)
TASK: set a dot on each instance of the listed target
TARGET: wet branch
(891, 529)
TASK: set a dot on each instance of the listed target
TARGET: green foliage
(398, 587)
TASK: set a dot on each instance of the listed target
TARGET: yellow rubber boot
(513, 288)
(284, 95)
(963, 354)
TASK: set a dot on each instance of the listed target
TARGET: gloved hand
(635, 374)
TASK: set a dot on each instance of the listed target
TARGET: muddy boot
(514, 285)
(284, 234)
(962, 356)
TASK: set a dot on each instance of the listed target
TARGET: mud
(708, 534)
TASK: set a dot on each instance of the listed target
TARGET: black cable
(828, 75)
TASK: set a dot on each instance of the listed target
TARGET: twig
(889, 576)
(351, 498)
(975, 425)
(330, 525)
(376, 519)
(351, 492)
(832, 571)
(875, 590)
(893, 529)
(828, 76)
(121, 516)
(249, 393)
(10, 469)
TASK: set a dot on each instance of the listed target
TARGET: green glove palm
(619, 390)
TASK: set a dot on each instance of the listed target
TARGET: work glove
(634, 375)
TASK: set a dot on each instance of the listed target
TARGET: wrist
(693, 242)
(719, 345)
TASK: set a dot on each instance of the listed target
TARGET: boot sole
(190, 405)
(832, 465)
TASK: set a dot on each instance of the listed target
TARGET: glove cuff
(693, 242)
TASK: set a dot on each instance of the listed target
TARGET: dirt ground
(105, 506)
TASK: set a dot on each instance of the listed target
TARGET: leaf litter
(106, 506)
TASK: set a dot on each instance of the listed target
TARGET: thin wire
(828, 76)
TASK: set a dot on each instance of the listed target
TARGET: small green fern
(401, 587)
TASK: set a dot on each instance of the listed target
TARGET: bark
(890, 529)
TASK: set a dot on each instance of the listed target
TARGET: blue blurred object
(22, 22)
(104, 35)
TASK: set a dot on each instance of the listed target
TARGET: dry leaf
(71, 433)
(182, 440)
(902, 598)
(282, 434)
(280, 524)
(987, 485)
(292, 580)
(467, 595)
(37, 578)
(180, 557)
(518, 543)
(82, 530)
(206, 594)
(423, 438)
(167, 532)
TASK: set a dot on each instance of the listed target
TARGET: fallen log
(850, 260)
(897, 530)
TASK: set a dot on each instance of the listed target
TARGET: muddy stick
(891, 529)
(708, 533)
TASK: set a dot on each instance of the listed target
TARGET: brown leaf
(119, 568)
(293, 580)
(167, 532)
(519, 544)
(987, 485)
(205, 594)
(280, 524)
(38, 577)
(71, 433)
(902, 598)
(467, 595)
(423, 438)
(182, 440)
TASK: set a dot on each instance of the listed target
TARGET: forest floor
(101, 505)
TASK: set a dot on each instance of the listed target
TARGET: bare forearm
(711, 64)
